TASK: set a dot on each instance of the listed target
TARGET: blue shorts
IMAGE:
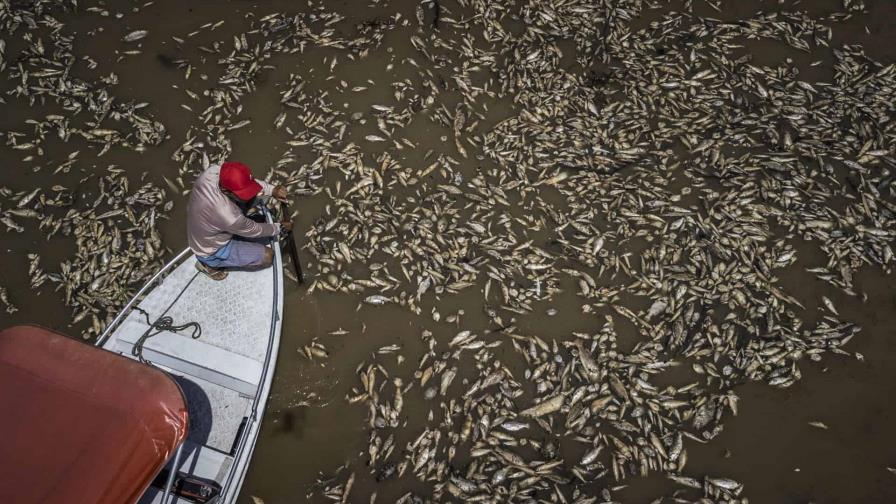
(238, 253)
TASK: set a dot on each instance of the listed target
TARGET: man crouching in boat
(218, 231)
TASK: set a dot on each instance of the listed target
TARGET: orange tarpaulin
(80, 424)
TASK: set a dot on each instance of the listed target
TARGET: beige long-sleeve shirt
(213, 219)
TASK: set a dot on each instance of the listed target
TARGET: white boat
(225, 374)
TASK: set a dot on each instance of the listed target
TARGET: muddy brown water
(309, 430)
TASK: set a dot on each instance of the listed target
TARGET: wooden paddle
(288, 242)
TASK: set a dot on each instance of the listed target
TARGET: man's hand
(280, 193)
(286, 225)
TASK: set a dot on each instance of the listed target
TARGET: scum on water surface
(547, 242)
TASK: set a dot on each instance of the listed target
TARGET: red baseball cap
(237, 178)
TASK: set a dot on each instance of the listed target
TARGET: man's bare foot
(213, 273)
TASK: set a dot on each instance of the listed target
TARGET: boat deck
(215, 412)
(235, 313)
(220, 372)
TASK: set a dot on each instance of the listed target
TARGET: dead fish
(829, 305)
(658, 307)
(545, 407)
(590, 456)
(135, 35)
(377, 300)
(514, 426)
